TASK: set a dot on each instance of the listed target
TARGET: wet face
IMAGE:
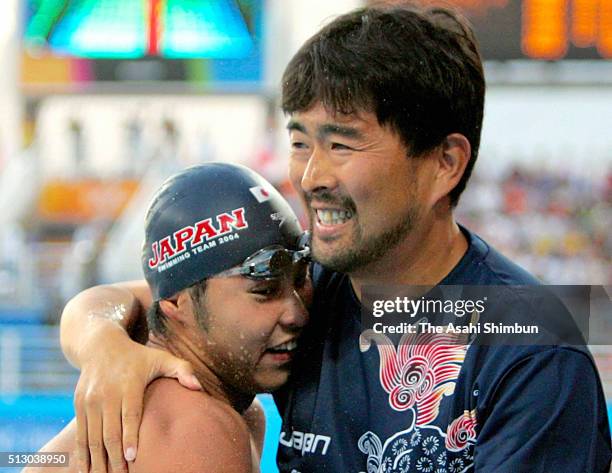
(252, 327)
(359, 186)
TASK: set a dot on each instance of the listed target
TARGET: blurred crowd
(553, 223)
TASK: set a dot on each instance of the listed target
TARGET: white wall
(289, 24)
(552, 127)
(229, 127)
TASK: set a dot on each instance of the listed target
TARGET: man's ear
(177, 308)
(452, 160)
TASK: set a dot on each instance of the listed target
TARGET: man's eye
(340, 147)
(298, 145)
(266, 291)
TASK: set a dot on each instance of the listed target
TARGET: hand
(109, 400)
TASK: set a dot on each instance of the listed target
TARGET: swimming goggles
(272, 261)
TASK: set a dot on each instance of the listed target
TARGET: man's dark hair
(418, 69)
(157, 320)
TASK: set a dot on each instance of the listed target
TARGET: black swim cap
(209, 218)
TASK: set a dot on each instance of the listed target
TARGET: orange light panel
(585, 22)
(84, 200)
(604, 42)
(545, 29)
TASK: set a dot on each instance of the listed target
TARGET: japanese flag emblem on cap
(260, 193)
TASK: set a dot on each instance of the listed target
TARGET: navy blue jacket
(379, 407)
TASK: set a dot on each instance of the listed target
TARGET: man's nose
(319, 172)
(295, 314)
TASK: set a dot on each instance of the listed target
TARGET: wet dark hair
(156, 318)
(418, 69)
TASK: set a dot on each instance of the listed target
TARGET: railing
(31, 361)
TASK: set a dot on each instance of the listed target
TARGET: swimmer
(225, 261)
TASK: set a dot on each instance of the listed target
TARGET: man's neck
(424, 258)
(210, 382)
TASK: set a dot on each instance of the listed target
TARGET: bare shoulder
(256, 422)
(189, 431)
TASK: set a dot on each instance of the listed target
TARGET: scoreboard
(216, 43)
(220, 42)
(540, 29)
(128, 29)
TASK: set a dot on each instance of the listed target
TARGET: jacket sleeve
(548, 415)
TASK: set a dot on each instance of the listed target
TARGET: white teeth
(333, 217)
(288, 346)
(325, 216)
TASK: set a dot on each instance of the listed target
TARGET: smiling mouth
(333, 216)
(286, 347)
